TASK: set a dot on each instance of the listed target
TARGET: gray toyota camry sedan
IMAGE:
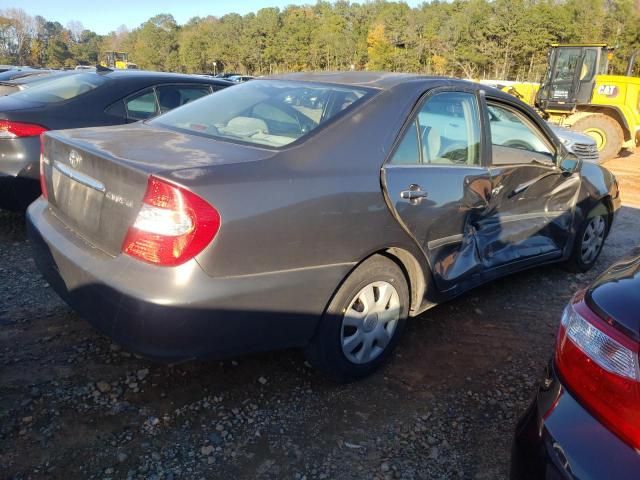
(316, 211)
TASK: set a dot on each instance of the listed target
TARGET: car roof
(379, 80)
(134, 73)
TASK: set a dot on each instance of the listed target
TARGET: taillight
(43, 176)
(9, 129)
(172, 227)
(599, 365)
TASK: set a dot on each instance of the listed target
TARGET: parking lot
(74, 405)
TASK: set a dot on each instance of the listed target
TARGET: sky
(104, 16)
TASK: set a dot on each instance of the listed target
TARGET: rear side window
(153, 101)
(142, 105)
(174, 96)
(446, 131)
(271, 113)
(408, 151)
(60, 89)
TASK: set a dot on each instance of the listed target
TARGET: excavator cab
(119, 60)
(571, 75)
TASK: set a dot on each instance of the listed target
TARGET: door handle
(415, 194)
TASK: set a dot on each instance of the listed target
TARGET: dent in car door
(436, 185)
(532, 201)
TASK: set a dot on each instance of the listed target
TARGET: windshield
(62, 88)
(273, 113)
(567, 63)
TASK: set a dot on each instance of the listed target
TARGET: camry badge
(75, 159)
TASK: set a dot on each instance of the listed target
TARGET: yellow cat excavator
(578, 92)
(117, 60)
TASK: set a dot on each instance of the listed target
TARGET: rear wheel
(363, 322)
(588, 243)
(606, 132)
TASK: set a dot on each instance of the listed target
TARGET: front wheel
(363, 322)
(588, 243)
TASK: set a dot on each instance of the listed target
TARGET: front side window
(62, 88)
(515, 139)
(446, 131)
(566, 63)
(271, 113)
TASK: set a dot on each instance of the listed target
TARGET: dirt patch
(627, 169)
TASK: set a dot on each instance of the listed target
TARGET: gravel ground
(74, 405)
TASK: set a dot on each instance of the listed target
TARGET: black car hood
(10, 104)
(616, 295)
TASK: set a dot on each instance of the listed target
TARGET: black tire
(610, 128)
(325, 351)
(576, 262)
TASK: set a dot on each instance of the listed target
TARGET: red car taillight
(43, 177)
(9, 129)
(599, 365)
(172, 227)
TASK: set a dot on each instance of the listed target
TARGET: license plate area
(78, 197)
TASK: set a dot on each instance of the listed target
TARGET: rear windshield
(62, 88)
(272, 113)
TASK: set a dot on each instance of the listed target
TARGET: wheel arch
(608, 204)
(418, 276)
(599, 206)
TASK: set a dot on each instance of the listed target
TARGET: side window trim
(484, 149)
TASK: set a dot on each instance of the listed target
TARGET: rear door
(532, 198)
(436, 182)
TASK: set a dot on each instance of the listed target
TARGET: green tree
(379, 49)
(155, 44)
(505, 39)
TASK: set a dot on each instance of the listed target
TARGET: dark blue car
(82, 99)
(585, 421)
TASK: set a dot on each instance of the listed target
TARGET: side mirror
(570, 163)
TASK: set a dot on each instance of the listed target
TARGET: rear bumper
(558, 439)
(16, 193)
(19, 172)
(20, 157)
(180, 312)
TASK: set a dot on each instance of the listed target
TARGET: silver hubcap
(369, 322)
(592, 239)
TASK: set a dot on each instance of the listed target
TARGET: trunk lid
(9, 103)
(614, 295)
(97, 177)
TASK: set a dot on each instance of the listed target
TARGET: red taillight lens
(10, 129)
(43, 177)
(172, 227)
(599, 365)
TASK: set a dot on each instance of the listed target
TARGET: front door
(436, 183)
(532, 200)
